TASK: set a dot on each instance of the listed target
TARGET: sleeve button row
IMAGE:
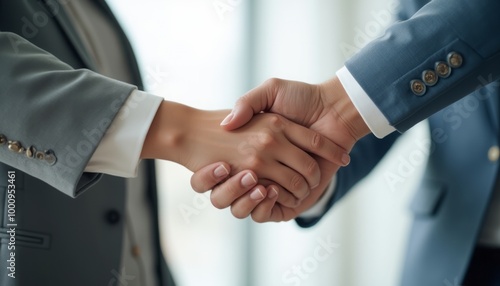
(15, 146)
(441, 70)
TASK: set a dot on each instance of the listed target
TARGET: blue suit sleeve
(386, 66)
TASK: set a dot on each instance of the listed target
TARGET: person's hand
(325, 108)
(269, 144)
(242, 193)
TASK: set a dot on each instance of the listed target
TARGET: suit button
(113, 216)
(455, 60)
(494, 154)
(50, 157)
(442, 69)
(429, 77)
(15, 146)
(136, 251)
(418, 87)
(40, 155)
(30, 152)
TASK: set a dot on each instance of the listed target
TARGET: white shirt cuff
(373, 117)
(119, 151)
(319, 208)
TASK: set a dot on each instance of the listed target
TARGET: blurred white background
(206, 54)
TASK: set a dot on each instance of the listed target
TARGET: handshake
(276, 152)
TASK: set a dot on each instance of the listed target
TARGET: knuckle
(243, 99)
(237, 213)
(272, 82)
(195, 186)
(257, 217)
(317, 141)
(273, 85)
(254, 162)
(297, 182)
(266, 139)
(295, 203)
(201, 186)
(306, 194)
(197, 189)
(274, 118)
(246, 148)
(277, 126)
(312, 167)
(276, 123)
(217, 203)
(289, 201)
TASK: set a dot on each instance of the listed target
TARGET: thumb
(239, 116)
(256, 100)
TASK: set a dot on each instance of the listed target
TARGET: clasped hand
(280, 193)
(283, 155)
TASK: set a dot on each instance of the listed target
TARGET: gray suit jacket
(56, 105)
(451, 202)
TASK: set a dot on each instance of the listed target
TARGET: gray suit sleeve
(54, 110)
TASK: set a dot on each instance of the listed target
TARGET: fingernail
(248, 180)
(221, 172)
(273, 193)
(346, 159)
(227, 119)
(256, 195)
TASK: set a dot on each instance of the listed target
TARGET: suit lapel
(132, 61)
(67, 26)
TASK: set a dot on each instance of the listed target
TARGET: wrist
(168, 131)
(339, 104)
(187, 136)
(203, 141)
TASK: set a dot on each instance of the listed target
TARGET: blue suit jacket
(451, 202)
